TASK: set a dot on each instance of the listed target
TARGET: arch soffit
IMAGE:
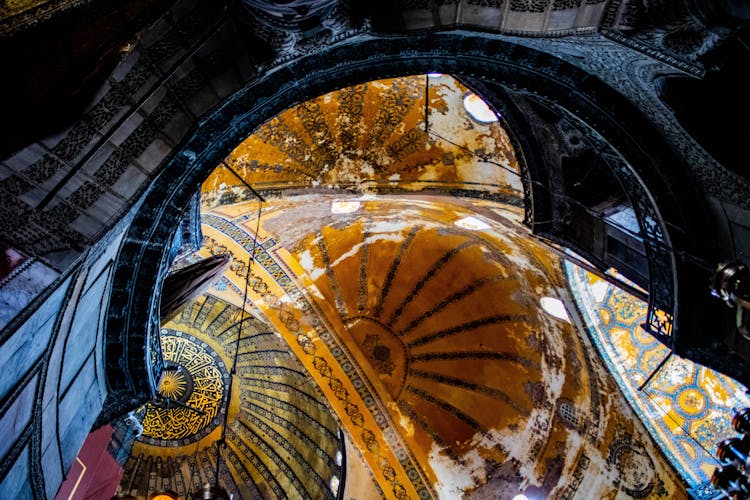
(489, 58)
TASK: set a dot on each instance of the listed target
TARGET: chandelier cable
(221, 444)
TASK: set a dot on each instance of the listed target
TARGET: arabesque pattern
(687, 408)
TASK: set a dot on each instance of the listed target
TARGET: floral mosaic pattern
(686, 407)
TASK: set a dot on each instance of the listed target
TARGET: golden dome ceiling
(427, 307)
(413, 316)
(373, 136)
(281, 438)
(195, 383)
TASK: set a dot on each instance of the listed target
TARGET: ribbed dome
(412, 314)
(281, 438)
(434, 302)
(373, 136)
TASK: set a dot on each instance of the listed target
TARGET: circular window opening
(334, 484)
(554, 307)
(478, 109)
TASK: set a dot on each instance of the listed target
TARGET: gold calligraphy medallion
(190, 394)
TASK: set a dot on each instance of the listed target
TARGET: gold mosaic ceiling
(281, 438)
(413, 315)
(423, 312)
(372, 136)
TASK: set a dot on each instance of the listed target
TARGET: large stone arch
(491, 59)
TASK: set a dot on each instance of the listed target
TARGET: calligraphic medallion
(191, 390)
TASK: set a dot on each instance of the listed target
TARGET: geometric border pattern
(271, 266)
(686, 407)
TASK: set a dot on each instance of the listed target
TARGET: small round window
(555, 307)
(334, 484)
(478, 109)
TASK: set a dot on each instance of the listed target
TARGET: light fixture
(164, 495)
(208, 492)
(334, 484)
(732, 477)
(731, 284)
(741, 421)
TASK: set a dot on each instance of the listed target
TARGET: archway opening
(389, 255)
(224, 129)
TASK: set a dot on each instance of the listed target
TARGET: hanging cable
(682, 427)
(427, 103)
(221, 443)
(474, 153)
(243, 181)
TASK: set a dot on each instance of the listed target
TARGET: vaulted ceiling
(392, 263)
(393, 290)
(409, 133)
(280, 439)
(419, 318)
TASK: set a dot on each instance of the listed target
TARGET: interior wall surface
(53, 382)
(183, 96)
